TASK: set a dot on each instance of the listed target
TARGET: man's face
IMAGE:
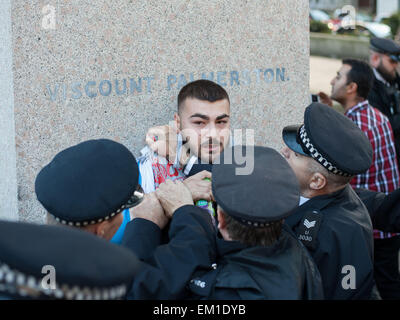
(206, 127)
(387, 67)
(300, 166)
(339, 84)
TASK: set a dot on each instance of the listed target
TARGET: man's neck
(350, 103)
(315, 193)
(312, 193)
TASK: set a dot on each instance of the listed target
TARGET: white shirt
(380, 78)
(303, 200)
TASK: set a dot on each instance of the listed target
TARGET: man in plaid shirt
(350, 87)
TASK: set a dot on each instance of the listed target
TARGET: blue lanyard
(117, 238)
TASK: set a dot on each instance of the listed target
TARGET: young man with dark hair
(351, 87)
(204, 90)
(200, 132)
(203, 118)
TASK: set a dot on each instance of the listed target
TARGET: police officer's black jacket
(282, 271)
(196, 264)
(387, 99)
(337, 230)
(384, 209)
(168, 268)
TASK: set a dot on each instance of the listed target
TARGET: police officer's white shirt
(303, 200)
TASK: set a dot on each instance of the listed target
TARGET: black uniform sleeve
(371, 199)
(336, 246)
(313, 283)
(383, 209)
(142, 237)
(395, 123)
(169, 270)
(387, 216)
(198, 167)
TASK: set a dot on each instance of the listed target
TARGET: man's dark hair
(361, 74)
(205, 90)
(253, 236)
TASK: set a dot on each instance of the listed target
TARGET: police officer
(54, 262)
(255, 256)
(91, 186)
(332, 222)
(385, 96)
(94, 186)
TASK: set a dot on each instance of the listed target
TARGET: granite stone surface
(112, 69)
(8, 169)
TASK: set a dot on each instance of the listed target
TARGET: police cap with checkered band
(55, 262)
(89, 183)
(331, 139)
(257, 194)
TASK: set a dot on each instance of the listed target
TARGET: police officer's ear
(221, 218)
(222, 224)
(100, 229)
(107, 228)
(51, 220)
(374, 59)
(318, 181)
(97, 229)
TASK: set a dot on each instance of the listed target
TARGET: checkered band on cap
(253, 223)
(135, 199)
(18, 283)
(317, 156)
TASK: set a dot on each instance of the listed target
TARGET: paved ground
(322, 71)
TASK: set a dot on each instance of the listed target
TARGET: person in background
(384, 95)
(351, 88)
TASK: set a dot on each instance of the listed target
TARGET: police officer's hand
(325, 99)
(173, 195)
(200, 188)
(150, 209)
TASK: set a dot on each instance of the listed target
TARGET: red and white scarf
(155, 170)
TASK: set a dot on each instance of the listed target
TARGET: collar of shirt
(380, 78)
(357, 107)
(303, 200)
(190, 164)
(117, 238)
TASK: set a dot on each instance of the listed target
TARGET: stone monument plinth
(78, 70)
